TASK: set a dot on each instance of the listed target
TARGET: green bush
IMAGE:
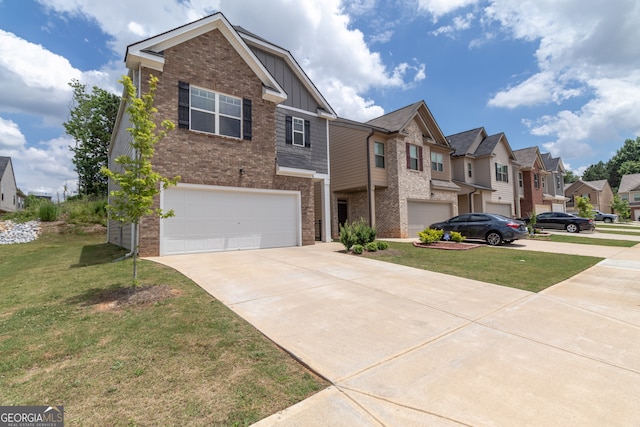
(357, 249)
(86, 211)
(456, 237)
(430, 235)
(48, 212)
(382, 245)
(358, 232)
(371, 246)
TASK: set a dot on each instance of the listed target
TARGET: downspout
(369, 199)
(472, 208)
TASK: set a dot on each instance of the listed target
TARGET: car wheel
(572, 228)
(609, 220)
(493, 238)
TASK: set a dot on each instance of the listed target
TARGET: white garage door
(422, 214)
(210, 219)
(500, 209)
(557, 207)
(542, 208)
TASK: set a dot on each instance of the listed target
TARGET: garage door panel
(500, 209)
(422, 214)
(212, 219)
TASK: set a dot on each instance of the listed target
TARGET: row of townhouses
(266, 162)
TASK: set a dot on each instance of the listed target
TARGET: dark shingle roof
(629, 183)
(462, 141)
(526, 156)
(488, 144)
(396, 120)
(550, 163)
(4, 162)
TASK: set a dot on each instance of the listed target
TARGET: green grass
(185, 360)
(566, 238)
(622, 233)
(618, 226)
(528, 270)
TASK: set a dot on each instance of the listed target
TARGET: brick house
(394, 171)
(531, 175)
(630, 191)
(553, 185)
(251, 143)
(485, 169)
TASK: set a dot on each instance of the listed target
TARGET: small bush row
(369, 247)
(432, 235)
(356, 233)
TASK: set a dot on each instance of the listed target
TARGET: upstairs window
(558, 182)
(544, 182)
(298, 132)
(378, 148)
(469, 170)
(437, 162)
(520, 179)
(536, 180)
(215, 113)
(636, 197)
(211, 112)
(502, 173)
(414, 157)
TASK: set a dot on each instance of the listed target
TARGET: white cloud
(459, 23)
(438, 8)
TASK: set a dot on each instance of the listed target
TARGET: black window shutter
(288, 129)
(246, 120)
(307, 133)
(408, 156)
(497, 175)
(183, 105)
(419, 158)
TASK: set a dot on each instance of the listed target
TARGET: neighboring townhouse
(9, 201)
(394, 171)
(553, 185)
(629, 190)
(485, 169)
(251, 143)
(599, 193)
(531, 180)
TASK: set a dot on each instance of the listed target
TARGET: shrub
(357, 249)
(371, 246)
(48, 212)
(430, 235)
(456, 237)
(382, 245)
(358, 232)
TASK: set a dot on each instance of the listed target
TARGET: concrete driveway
(407, 347)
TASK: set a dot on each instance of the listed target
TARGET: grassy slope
(187, 360)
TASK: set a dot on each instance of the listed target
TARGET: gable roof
(629, 183)
(150, 53)
(4, 162)
(597, 185)
(551, 163)
(463, 141)
(397, 120)
(527, 158)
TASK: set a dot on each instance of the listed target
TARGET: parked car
(564, 221)
(601, 216)
(494, 229)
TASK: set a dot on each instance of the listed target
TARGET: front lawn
(572, 238)
(618, 226)
(183, 360)
(528, 270)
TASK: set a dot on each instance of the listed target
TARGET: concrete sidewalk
(408, 347)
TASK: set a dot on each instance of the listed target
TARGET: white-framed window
(624, 197)
(298, 131)
(636, 197)
(469, 170)
(502, 173)
(536, 180)
(215, 113)
(378, 149)
(414, 158)
(558, 182)
(520, 179)
(544, 182)
(437, 162)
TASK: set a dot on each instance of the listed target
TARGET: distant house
(484, 167)
(8, 191)
(599, 193)
(553, 185)
(393, 171)
(630, 191)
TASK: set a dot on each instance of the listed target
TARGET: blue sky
(562, 75)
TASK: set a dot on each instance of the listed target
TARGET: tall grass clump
(48, 212)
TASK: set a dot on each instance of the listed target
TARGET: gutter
(369, 201)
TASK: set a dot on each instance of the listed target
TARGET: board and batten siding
(348, 158)
(297, 95)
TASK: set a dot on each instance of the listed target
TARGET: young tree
(91, 122)
(621, 207)
(137, 183)
(585, 208)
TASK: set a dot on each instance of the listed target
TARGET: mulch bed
(452, 246)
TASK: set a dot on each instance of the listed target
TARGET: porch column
(326, 210)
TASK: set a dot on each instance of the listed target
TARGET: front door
(342, 212)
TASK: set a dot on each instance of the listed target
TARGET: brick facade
(210, 62)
